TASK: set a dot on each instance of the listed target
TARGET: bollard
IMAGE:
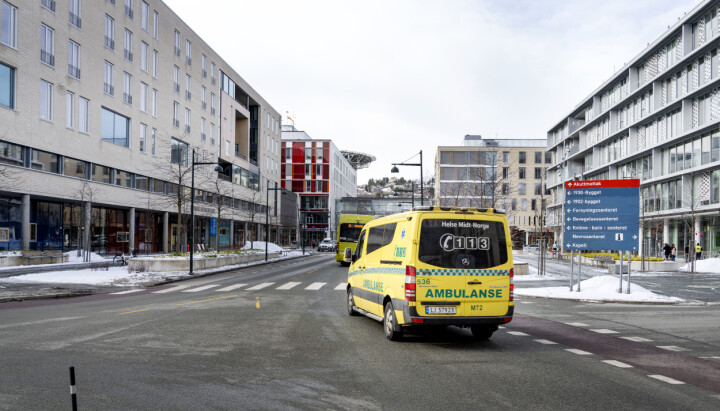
(73, 391)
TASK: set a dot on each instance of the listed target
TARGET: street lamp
(192, 203)
(395, 170)
(267, 213)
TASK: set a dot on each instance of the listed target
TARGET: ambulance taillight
(512, 284)
(409, 283)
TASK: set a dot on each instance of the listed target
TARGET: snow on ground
(710, 265)
(532, 275)
(600, 288)
(260, 245)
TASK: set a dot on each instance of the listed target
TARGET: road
(278, 337)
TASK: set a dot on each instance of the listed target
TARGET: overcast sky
(391, 78)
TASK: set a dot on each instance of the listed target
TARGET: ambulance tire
(351, 304)
(481, 332)
(390, 323)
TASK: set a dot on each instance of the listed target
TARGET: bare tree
(84, 196)
(224, 194)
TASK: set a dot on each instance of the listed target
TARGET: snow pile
(601, 288)
(260, 245)
(112, 275)
(710, 265)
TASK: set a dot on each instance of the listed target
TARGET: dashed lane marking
(617, 364)
(578, 352)
(548, 342)
(288, 286)
(260, 286)
(203, 288)
(315, 286)
(666, 379)
(231, 287)
(578, 324)
(674, 348)
(604, 331)
(171, 289)
(135, 290)
(517, 333)
(341, 286)
(636, 339)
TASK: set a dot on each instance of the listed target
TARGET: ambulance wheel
(390, 323)
(481, 332)
(351, 304)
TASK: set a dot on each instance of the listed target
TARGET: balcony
(109, 43)
(109, 89)
(127, 98)
(74, 71)
(128, 55)
(49, 4)
(75, 20)
(128, 11)
(47, 58)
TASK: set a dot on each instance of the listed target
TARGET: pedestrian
(698, 251)
(673, 252)
(555, 249)
(666, 250)
(687, 252)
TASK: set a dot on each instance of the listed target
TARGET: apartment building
(657, 119)
(320, 174)
(102, 105)
(497, 173)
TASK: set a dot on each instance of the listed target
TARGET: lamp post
(395, 170)
(267, 213)
(192, 203)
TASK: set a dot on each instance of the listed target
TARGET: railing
(75, 20)
(127, 98)
(176, 87)
(212, 80)
(176, 123)
(188, 94)
(212, 111)
(109, 43)
(128, 55)
(49, 4)
(47, 58)
(177, 51)
(128, 11)
(187, 129)
(204, 73)
(203, 105)
(74, 71)
(188, 60)
(202, 136)
(109, 89)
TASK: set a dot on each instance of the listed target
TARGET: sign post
(602, 215)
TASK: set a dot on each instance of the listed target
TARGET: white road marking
(136, 290)
(577, 324)
(617, 364)
(545, 342)
(315, 286)
(171, 289)
(711, 358)
(231, 287)
(517, 333)
(672, 348)
(636, 339)
(666, 379)
(525, 302)
(260, 286)
(604, 331)
(288, 286)
(578, 352)
(203, 288)
(341, 286)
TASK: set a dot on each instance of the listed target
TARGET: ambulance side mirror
(348, 257)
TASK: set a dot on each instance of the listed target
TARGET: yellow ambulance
(433, 266)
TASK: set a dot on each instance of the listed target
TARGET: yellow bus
(349, 227)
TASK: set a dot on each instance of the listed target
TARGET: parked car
(327, 245)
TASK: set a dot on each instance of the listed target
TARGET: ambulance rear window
(465, 244)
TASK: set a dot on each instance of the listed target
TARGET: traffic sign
(602, 215)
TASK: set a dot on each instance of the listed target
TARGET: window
(153, 142)
(129, 8)
(177, 43)
(83, 115)
(144, 56)
(506, 172)
(188, 52)
(128, 45)
(505, 188)
(75, 13)
(12, 154)
(203, 104)
(48, 4)
(75, 168)
(212, 103)
(533, 204)
(379, 237)
(127, 88)
(42, 160)
(143, 138)
(538, 157)
(114, 128)
(538, 173)
(523, 204)
(506, 156)
(155, 64)
(153, 103)
(188, 86)
(69, 110)
(109, 88)
(204, 66)
(212, 134)
(47, 45)
(548, 157)
(521, 156)
(143, 97)
(202, 128)
(74, 59)
(100, 173)
(176, 114)
(176, 79)
(144, 15)
(538, 189)
(7, 86)
(109, 32)
(521, 172)
(521, 189)
(156, 19)
(212, 73)
(187, 120)
(46, 100)
(8, 25)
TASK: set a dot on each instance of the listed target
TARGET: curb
(588, 300)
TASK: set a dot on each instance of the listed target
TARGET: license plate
(439, 310)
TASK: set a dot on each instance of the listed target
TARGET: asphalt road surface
(278, 337)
